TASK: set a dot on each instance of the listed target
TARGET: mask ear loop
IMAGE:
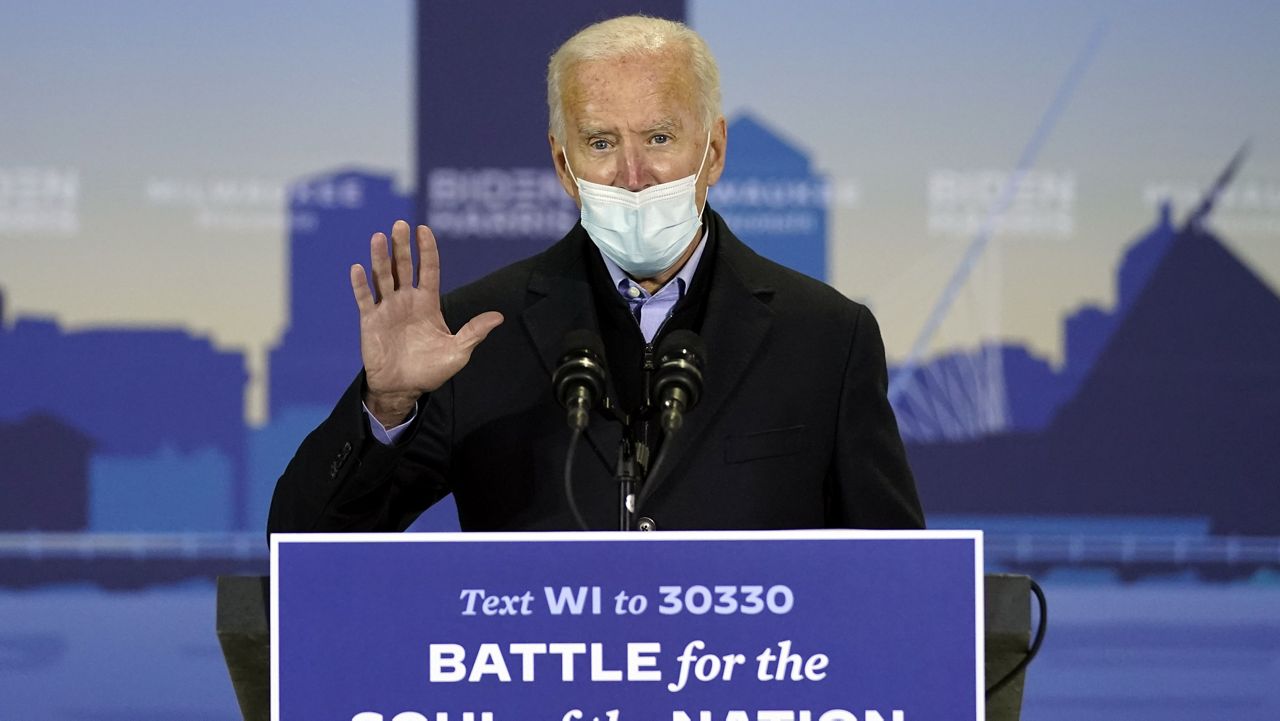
(701, 165)
(696, 175)
(565, 152)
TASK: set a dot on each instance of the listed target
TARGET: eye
(599, 144)
(660, 139)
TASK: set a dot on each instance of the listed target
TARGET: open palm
(405, 344)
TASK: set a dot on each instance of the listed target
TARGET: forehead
(630, 93)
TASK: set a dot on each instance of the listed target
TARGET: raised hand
(406, 347)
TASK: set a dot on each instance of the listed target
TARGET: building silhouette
(1088, 330)
(953, 395)
(772, 199)
(31, 480)
(165, 490)
(490, 136)
(331, 218)
(131, 393)
(1175, 416)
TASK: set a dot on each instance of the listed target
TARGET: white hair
(630, 36)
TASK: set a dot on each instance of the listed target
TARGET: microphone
(579, 379)
(678, 381)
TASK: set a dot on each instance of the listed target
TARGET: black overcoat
(794, 429)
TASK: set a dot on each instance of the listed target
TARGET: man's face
(634, 123)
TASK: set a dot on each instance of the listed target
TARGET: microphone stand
(632, 456)
(627, 473)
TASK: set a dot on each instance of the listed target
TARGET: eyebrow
(662, 125)
(587, 131)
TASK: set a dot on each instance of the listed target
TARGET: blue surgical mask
(645, 232)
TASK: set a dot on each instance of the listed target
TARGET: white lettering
(835, 714)
(567, 651)
(446, 662)
(527, 653)
(642, 656)
(598, 671)
(574, 600)
(489, 661)
(470, 595)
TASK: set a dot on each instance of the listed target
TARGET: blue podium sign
(698, 626)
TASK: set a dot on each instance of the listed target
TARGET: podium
(245, 633)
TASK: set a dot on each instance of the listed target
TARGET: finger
(383, 280)
(360, 286)
(428, 264)
(478, 328)
(403, 267)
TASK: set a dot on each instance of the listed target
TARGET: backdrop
(1066, 217)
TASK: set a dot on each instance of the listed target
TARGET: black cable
(1035, 643)
(657, 464)
(568, 480)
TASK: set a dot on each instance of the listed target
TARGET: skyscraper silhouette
(331, 218)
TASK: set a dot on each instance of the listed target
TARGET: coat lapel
(735, 327)
(736, 324)
(559, 301)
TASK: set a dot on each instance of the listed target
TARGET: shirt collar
(622, 281)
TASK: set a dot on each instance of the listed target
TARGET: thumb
(478, 328)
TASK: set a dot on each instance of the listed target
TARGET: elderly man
(793, 429)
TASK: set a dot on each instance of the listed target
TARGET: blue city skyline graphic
(1158, 409)
(161, 409)
(130, 463)
(133, 456)
(1033, 390)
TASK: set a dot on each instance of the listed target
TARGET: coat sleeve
(870, 484)
(344, 479)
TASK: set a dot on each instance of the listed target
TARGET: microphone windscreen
(683, 343)
(576, 341)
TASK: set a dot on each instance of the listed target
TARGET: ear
(562, 172)
(715, 156)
